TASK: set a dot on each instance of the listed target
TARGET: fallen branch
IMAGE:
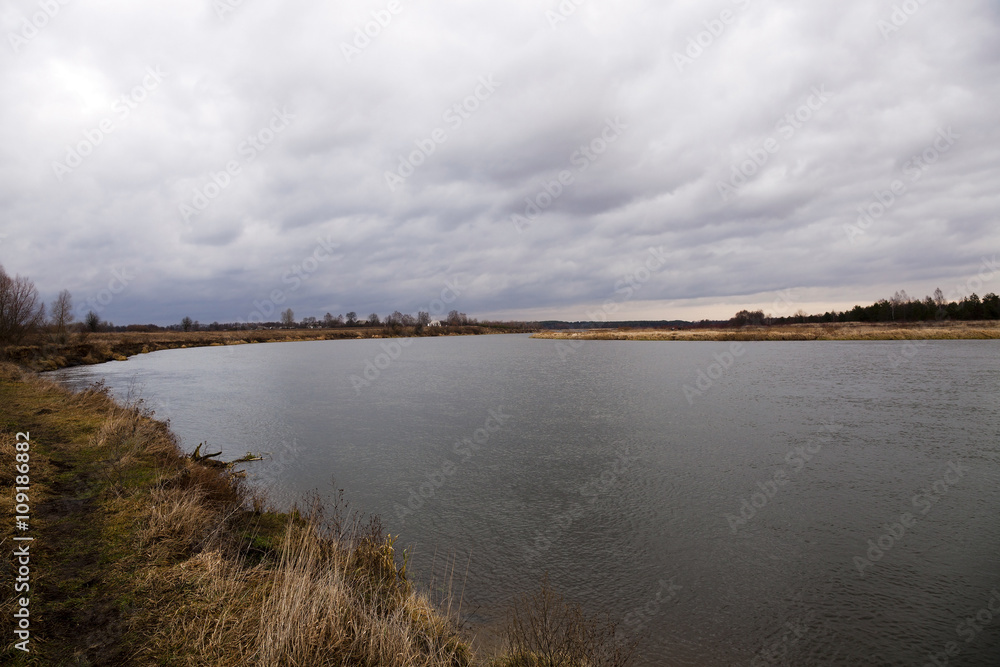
(206, 459)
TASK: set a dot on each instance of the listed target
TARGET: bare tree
(939, 299)
(20, 309)
(373, 320)
(92, 322)
(423, 318)
(904, 303)
(288, 317)
(62, 312)
(352, 319)
(898, 299)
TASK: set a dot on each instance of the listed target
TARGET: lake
(768, 503)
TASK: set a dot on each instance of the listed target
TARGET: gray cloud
(175, 106)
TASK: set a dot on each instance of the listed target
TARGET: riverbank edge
(978, 330)
(48, 353)
(141, 555)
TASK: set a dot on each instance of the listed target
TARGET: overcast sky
(520, 159)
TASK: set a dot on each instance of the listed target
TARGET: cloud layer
(203, 158)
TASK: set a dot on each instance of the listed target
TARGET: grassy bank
(48, 352)
(835, 331)
(143, 556)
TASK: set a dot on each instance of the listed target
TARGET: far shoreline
(83, 349)
(840, 331)
(45, 353)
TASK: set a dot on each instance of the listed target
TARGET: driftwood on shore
(208, 459)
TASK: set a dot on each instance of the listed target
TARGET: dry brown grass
(330, 606)
(318, 592)
(178, 520)
(320, 602)
(838, 331)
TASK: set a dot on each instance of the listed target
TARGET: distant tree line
(396, 321)
(899, 308)
(22, 313)
(556, 325)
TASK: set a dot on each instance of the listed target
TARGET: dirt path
(74, 620)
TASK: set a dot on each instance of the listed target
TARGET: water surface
(719, 506)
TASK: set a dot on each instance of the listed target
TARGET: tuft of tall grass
(178, 521)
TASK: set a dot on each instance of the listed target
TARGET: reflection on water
(798, 503)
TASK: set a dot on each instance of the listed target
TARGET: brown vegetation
(828, 331)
